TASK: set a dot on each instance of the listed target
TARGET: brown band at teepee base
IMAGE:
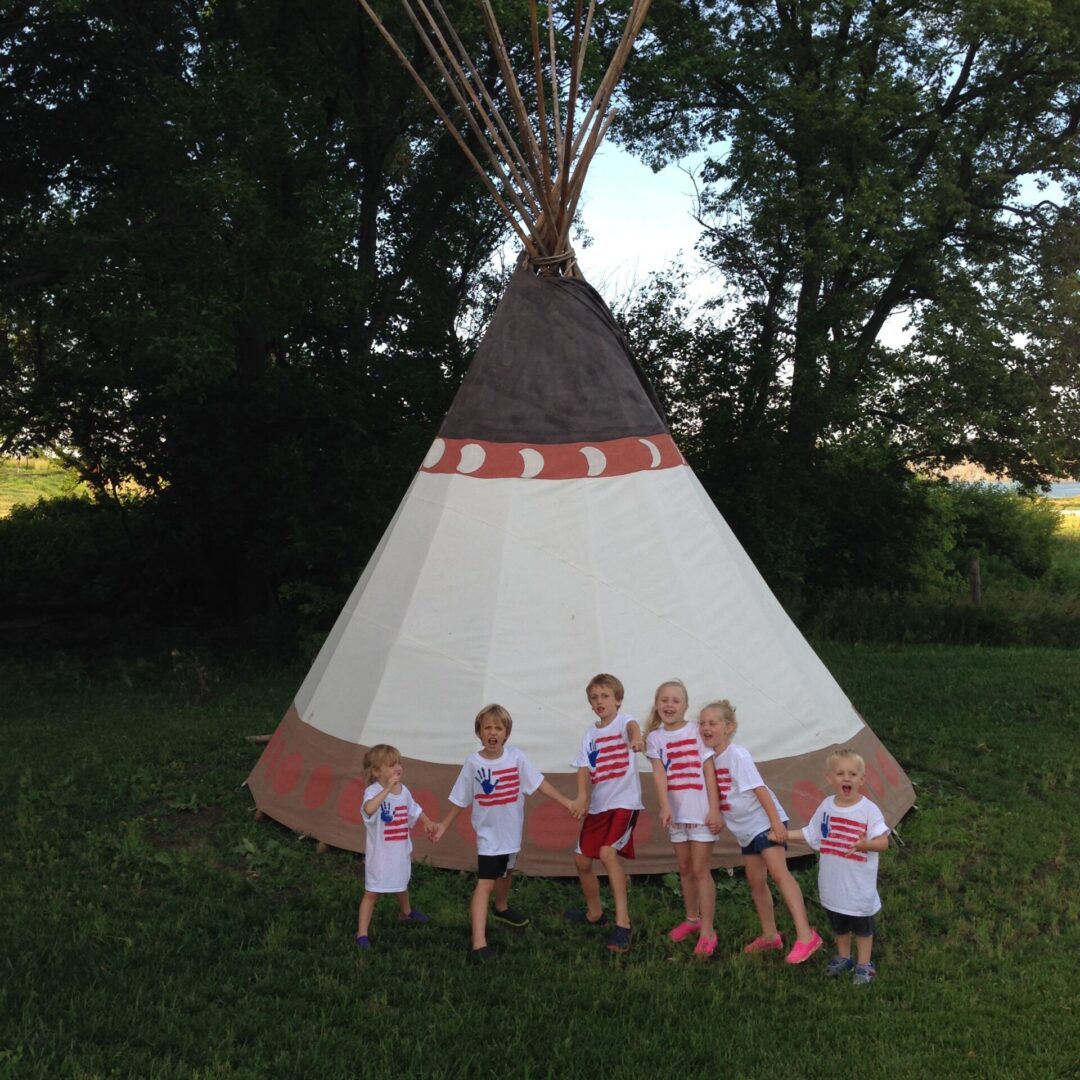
(314, 783)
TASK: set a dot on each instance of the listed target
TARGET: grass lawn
(153, 928)
(25, 480)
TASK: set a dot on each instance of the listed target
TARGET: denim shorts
(761, 842)
(859, 925)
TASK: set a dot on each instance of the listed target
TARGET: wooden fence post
(975, 581)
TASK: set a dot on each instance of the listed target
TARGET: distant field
(153, 928)
(25, 480)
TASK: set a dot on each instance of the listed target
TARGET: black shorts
(493, 867)
(859, 925)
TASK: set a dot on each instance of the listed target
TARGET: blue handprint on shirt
(386, 811)
(666, 762)
(487, 785)
(594, 754)
(824, 826)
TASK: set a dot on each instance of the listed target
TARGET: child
(495, 782)
(606, 758)
(849, 831)
(758, 823)
(389, 812)
(689, 808)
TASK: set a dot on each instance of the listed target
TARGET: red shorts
(612, 828)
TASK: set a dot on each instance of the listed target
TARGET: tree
(876, 161)
(238, 251)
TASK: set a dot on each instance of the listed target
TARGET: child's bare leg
(404, 906)
(776, 862)
(864, 946)
(687, 881)
(843, 945)
(367, 907)
(616, 876)
(590, 885)
(706, 887)
(478, 911)
(502, 892)
(757, 877)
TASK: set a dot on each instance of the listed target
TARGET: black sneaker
(619, 940)
(576, 916)
(484, 953)
(510, 917)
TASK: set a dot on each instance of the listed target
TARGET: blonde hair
(609, 682)
(654, 713)
(379, 755)
(726, 711)
(493, 712)
(846, 753)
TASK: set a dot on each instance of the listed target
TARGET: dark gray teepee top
(553, 367)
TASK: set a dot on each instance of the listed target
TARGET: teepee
(553, 531)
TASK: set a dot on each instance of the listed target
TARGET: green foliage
(157, 930)
(869, 162)
(1012, 536)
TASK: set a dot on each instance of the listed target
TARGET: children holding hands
(758, 823)
(849, 832)
(689, 808)
(606, 761)
(495, 781)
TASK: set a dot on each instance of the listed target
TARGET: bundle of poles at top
(537, 178)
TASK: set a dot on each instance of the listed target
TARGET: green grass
(25, 480)
(153, 928)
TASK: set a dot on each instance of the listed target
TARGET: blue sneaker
(840, 965)
(414, 916)
(363, 941)
(619, 940)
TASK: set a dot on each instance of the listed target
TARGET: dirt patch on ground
(174, 829)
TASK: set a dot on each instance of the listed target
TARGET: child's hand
(715, 823)
(578, 807)
(778, 834)
(665, 817)
(437, 831)
(772, 836)
(862, 844)
(637, 745)
(430, 829)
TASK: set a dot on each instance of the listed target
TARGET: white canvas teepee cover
(553, 531)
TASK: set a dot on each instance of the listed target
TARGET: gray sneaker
(864, 974)
(839, 965)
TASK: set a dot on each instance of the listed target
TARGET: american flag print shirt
(847, 880)
(683, 755)
(496, 790)
(605, 752)
(388, 840)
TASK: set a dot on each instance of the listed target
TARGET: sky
(639, 220)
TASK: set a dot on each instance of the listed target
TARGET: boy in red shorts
(606, 759)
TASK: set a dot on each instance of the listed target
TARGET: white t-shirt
(496, 791)
(847, 880)
(388, 852)
(683, 755)
(736, 778)
(605, 752)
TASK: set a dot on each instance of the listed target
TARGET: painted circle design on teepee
(351, 801)
(550, 827)
(287, 774)
(596, 458)
(887, 766)
(429, 803)
(532, 463)
(318, 787)
(435, 453)
(654, 450)
(472, 458)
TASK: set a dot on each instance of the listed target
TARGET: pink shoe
(764, 944)
(705, 946)
(803, 950)
(685, 929)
